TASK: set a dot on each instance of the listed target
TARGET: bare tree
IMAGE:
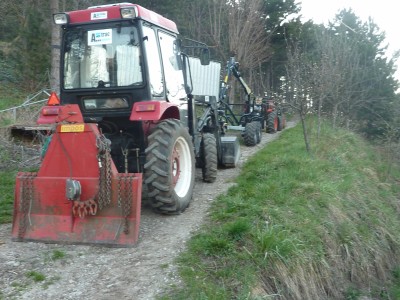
(248, 38)
(298, 70)
(334, 62)
(234, 28)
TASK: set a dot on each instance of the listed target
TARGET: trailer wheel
(169, 168)
(283, 121)
(209, 157)
(251, 134)
(259, 132)
(280, 123)
(272, 122)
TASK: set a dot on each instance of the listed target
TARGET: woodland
(338, 71)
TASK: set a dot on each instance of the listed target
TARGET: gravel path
(92, 272)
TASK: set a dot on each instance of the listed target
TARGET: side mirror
(204, 56)
(187, 77)
(177, 55)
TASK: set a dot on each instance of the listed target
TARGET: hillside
(301, 227)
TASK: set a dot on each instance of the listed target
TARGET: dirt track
(90, 272)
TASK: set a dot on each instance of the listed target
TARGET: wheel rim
(276, 123)
(176, 170)
(181, 167)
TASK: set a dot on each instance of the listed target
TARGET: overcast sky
(385, 14)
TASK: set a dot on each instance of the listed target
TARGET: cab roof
(112, 12)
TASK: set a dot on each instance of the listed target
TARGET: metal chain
(125, 191)
(125, 195)
(128, 203)
(27, 196)
(120, 198)
(83, 208)
(104, 157)
(23, 205)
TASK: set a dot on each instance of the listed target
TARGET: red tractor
(124, 117)
(274, 116)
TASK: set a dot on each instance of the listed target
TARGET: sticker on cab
(99, 37)
(98, 15)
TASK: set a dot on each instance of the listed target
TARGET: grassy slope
(300, 227)
(10, 95)
(7, 182)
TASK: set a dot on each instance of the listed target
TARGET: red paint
(113, 13)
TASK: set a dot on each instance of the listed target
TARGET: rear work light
(50, 111)
(128, 12)
(145, 107)
(61, 18)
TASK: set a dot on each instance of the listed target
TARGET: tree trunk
(305, 133)
(319, 118)
(55, 51)
(334, 115)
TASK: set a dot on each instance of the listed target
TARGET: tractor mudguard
(77, 196)
(154, 111)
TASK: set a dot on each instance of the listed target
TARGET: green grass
(58, 254)
(297, 226)
(7, 183)
(394, 288)
(10, 95)
(36, 276)
(54, 255)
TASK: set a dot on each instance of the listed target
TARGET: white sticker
(99, 15)
(99, 37)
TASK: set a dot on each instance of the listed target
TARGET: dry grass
(18, 156)
(22, 115)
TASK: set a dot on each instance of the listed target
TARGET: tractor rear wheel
(272, 122)
(169, 169)
(209, 157)
(251, 134)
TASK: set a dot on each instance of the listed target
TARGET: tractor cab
(113, 56)
(122, 65)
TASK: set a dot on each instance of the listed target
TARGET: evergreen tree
(281, 24)
(369, 87)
